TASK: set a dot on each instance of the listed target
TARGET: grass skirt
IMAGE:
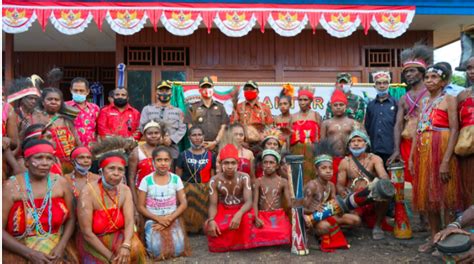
(308, 168)
(44, 244)
(112, 241)
(195, 215)
(467, 179)
(430, 194)
(168, 243)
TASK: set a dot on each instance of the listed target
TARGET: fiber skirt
(430, 194)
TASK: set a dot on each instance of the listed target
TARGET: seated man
(318, 192)
(356, 171)
(273, 225)
(229, 226)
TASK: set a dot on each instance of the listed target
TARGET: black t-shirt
(196, 168)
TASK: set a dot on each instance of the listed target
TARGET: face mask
(207, 92)
(346, 88)
(250, 95)
(357, 152)
(120, 102)
(78, 98)
(80, 169)
(105, 183)
(164, 97)
(195, 146)
(382, 93)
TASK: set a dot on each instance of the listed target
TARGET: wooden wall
(27, 63)
(270, 57)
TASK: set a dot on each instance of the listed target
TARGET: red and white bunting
(235, 24)
(126, 22)
(287, 24)
(234, 21)
(17, 20)
(70, 22)
(340, 24)
(181, 23)
(392, 25)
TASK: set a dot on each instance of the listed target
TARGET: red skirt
(230, 240)
(276, 229)
(405, 149)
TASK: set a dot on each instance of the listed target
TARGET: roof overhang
(92, 26)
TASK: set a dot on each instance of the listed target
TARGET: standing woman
(284, 104)
(196, 166)
(140, 163)
(305, 126)
(236, 135)
(436, 185)
(81, 158)
(105, 212)
(38, 219)
(465, 145)
(62, 128)
(158, 197)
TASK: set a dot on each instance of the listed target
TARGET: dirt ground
(363, 250)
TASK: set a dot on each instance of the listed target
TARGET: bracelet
(111, 258)
(126, 246)
(455, 225)
(208, 221)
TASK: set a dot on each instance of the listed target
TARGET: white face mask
(346, 88)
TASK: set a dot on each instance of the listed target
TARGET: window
(140, 56)
(375, 57)
(173, 56)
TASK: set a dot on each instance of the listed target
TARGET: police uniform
(170, 115)
(211, 118)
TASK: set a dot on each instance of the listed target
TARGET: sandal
(377, 233)
(428, 247)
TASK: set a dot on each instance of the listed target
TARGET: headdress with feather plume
(287, 90)
(113, 145)
(306, 91)
(419, 56)
(323, 151)
(23, 87)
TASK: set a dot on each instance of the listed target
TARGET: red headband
(78, 151)
(229, 152)
(112, 159)
(40, 148)
(36, 133)
(307, 93)
(338, 96)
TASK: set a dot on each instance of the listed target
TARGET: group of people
(111, 185)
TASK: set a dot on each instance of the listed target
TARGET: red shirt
(112, 122)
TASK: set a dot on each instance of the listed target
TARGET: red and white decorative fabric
(235, 24)
(181, 23)
(287, 24)
(70, 22)
(17, 20)
(391, 25)
(182, 19)
(126, 22)
(340, 24)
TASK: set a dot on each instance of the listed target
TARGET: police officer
(163, 111)
(209, 114)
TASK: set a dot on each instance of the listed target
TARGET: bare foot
(428, 247)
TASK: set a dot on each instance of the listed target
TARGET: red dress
(17, 220)
(306, 131)
(144, 166)
(244, 165)
(466, 112)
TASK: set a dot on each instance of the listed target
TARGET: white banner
(270, 96)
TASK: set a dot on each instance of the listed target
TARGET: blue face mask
(382, 93)
(79, 98)
(357, 152)
(80, 169)
(105, 183)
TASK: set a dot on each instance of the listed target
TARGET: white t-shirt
(161, 199)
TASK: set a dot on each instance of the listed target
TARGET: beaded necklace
(196, 168)
(37, 213)
(75, 190)
(425, 120)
